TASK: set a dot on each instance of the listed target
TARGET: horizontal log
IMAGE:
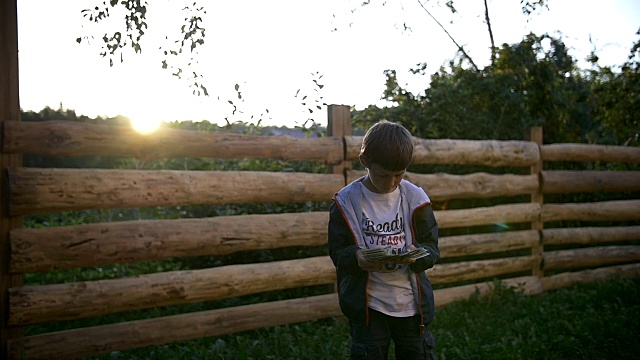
(529, 285)
(568, 279)
(590, 152)
(590, 235)
(70, 138)
(566, 182)
(475, 244)
(618, 210)
(67, 247)
(499, 215)
(37, 191)
(462, 152)
(39, 304)
(479, 269)
(83, 342)
(137, 334)
(478, 185)
(353, 144)
(590, 257)
(142, 333)
(472, 152)
(442, 187)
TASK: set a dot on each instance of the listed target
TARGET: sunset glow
(145, 125)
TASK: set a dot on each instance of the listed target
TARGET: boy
(385, 301)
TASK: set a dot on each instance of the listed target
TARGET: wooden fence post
(339, 125)
(535, 135)
(9, 111)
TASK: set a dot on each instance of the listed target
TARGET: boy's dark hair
(389, 145)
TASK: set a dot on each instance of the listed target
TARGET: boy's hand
(408, 261)
(377, 266)
(365, 265)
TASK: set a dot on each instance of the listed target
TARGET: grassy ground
(588, 321)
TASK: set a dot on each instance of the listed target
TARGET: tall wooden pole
(339, 125)
(535, 135)
(9, 111)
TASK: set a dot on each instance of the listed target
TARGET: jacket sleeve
(426, 228)
(342, 248)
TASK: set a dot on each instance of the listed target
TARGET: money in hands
(384, 255)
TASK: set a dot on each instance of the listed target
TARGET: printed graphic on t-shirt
(387, 234)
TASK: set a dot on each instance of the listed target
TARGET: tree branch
(460, 48)
(493, 44)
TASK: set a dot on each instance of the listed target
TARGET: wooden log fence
(470, 262)
(76, 246)
(39, 191)
(590, 257)
(32, 304)
(589, 152)
(75, 343)
(71, 139)
(462, 152)
(565, 182)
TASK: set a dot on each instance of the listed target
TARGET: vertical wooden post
(9, 111)
(535, 135)
(339, 125)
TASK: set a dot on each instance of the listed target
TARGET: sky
(274, 50)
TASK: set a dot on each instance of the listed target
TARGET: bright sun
(145, 125)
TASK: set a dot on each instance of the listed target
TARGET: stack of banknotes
(385, 255)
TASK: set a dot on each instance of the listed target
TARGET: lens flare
(145, 125)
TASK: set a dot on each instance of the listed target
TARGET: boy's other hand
(408, 261)
(365, 265)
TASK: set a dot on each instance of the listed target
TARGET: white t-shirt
(383, 226)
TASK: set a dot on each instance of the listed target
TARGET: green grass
(589, 321)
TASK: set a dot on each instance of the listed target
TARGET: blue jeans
(372, 342)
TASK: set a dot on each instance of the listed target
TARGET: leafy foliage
(532, 83)
(192, 37)
(131, 33)
(616, 96)
(135, 23)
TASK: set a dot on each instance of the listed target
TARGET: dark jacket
(345, 238)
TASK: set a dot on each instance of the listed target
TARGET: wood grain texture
(71, 139)
(38, 191)
(58, 302)
(462, 152)
(68, 247)
(590, 152)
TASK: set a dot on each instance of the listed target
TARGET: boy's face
(381, 181)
